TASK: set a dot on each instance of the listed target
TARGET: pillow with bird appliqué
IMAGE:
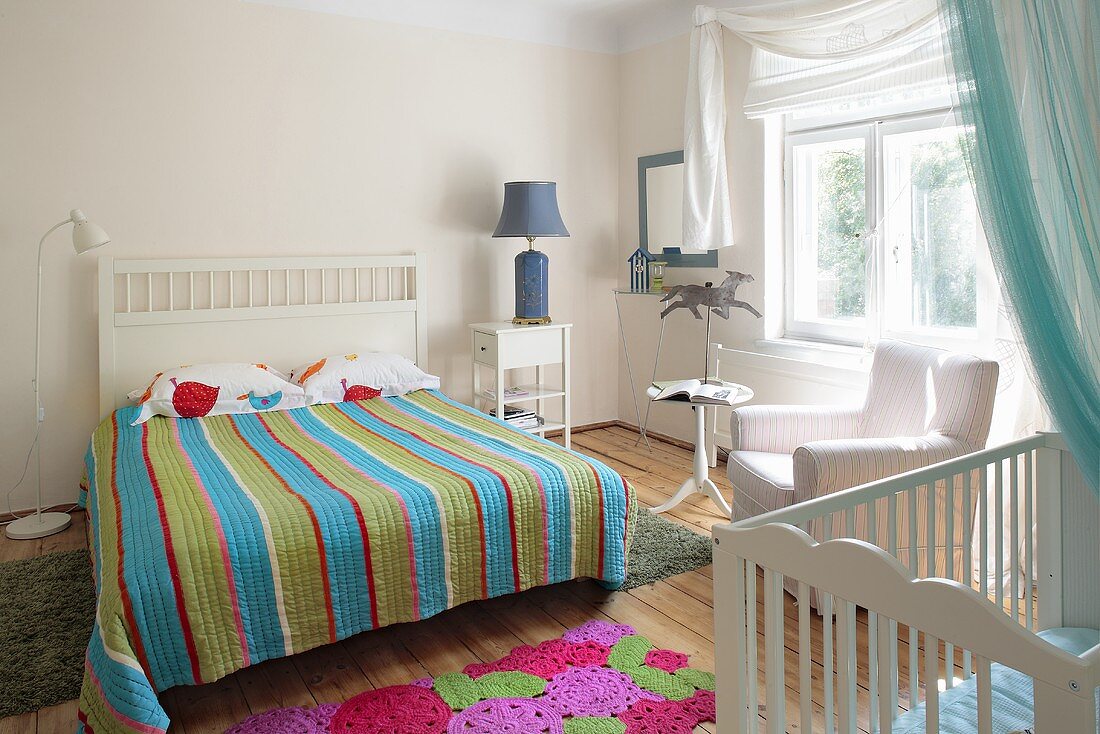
(198, 390)
(342, 377)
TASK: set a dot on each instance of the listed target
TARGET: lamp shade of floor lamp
(86, 236)
(531, 210)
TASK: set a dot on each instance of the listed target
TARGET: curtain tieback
(705, 14)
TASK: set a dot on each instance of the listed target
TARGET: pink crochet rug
(598, 678)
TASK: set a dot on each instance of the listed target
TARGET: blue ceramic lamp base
(532, 298)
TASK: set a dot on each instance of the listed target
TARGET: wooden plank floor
(676, 613)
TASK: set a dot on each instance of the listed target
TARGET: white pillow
(194, 391)
(342, 377)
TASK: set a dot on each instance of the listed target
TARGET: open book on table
(697, 391)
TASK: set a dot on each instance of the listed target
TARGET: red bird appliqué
(193, 399)
(359, 392)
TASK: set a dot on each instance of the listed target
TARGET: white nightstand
(501, 346)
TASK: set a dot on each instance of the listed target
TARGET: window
(883, 235)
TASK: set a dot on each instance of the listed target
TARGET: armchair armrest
(781, 429)
(824, 467)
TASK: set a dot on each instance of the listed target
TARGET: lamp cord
(22, 477)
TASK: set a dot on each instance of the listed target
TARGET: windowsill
(831, 354)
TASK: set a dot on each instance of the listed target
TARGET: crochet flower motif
(295, 720)
(658, 717)
(392, 710)
(669, 717)
(596, 630)
(514, 715)
(545, 661)
(667, 660)
(588, 652)
(593, 691)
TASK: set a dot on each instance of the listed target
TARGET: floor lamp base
(38, 526)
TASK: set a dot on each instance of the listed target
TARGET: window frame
(880, 320)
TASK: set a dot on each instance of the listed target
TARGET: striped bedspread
(223, 541)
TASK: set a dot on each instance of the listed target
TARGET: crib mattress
(1011, 693)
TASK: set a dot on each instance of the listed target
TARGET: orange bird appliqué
(311, 371)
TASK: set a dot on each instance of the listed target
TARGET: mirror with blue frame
(660, 211)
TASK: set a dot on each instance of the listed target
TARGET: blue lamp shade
(531, 210)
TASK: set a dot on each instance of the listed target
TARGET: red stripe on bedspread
(124, 590)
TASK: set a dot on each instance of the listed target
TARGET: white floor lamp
(86, 236)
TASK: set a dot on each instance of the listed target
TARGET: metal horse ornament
(719, 300)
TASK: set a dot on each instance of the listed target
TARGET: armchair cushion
(764, 482)
(783, 428)
(824, 467)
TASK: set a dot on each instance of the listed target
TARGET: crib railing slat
(931, 684)
(968, 568)
(983, 524)
(846, 664)
(1014, 535)
(914, 673)
(805, 661)
(872, 664)
(750, 638)
(1029, 557)
(930, 531)
(999, 532)
(870, 517)
(887, 674)
(827, 638)
(949, 564)
(747, 667)
(985, 697)
(773, 652)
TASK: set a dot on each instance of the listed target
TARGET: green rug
(47, 605)
(662, 549)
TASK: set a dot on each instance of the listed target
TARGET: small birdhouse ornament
(639, 270)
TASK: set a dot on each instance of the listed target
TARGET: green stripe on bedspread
(223, 541)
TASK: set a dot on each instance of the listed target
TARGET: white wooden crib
(847, 668)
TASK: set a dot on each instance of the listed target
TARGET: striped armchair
(923, 406)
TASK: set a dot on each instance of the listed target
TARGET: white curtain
(804, 50)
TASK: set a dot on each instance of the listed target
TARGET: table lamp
(531, 210)
(86, 236)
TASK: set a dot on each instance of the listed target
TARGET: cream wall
(215, 127)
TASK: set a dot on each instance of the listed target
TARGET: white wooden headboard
(284, 311)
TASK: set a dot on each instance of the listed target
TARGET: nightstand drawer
(529, 348)
(485, 348)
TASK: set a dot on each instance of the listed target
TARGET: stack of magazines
(519, 417)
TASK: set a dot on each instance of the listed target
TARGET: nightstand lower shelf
(534, 392)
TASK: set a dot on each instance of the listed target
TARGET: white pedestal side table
(700, 482)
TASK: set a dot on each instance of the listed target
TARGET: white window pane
(932, 232)
(830, 220)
